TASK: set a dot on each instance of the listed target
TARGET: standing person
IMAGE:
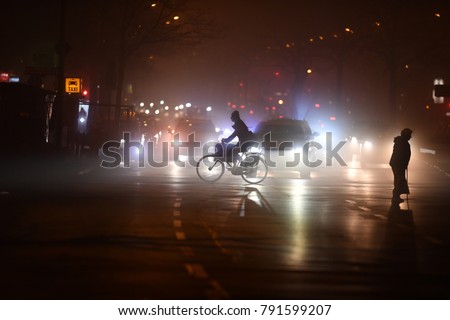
(401, 155)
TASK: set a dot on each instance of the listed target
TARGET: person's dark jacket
(401, 153)
(240, 130)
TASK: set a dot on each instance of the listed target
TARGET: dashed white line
(196, 270)
(180, 235)
(177, 223)
(433, 240)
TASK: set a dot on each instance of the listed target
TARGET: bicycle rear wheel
(210, 168)
(257, 172)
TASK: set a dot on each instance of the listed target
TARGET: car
(369, 144)
(287, 138)
(201, 130)
(284, 133)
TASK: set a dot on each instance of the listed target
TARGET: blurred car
(288, 136)
(369, 143)
(200, 129)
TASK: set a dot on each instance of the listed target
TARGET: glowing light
(153, 5)
(208, 109)
(166, 108)
(141, 104)
(437, 15)
(176, 18)
(333, 118)
(151, 104)
(317, 105)
(280, 102)
(147, 111)
(157, 112)
(161, 102)
(368, 144)
(309, 71)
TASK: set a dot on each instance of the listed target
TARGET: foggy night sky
(249, 27)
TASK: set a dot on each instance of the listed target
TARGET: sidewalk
(26, 172)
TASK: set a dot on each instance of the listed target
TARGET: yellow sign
(73, 85)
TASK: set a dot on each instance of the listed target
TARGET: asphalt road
(93, 233)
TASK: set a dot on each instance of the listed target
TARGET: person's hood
(399, 139)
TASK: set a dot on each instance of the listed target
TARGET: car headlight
(367, 145)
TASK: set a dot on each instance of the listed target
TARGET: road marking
(177, 223)
(219, 292)
(180, 235)
(217, 242)
(380, 216)
(434, 240)
(176, 213)
(364, 208)
(196, 270)
(350, 201)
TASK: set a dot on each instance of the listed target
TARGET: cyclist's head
(235, 116)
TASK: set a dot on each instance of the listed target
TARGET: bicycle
(251, 166)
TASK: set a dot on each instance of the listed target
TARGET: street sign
(73, 85)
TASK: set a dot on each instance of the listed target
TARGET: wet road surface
(165, 234)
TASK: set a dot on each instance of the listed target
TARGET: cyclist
(245, 136)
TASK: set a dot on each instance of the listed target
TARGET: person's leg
(399, 181)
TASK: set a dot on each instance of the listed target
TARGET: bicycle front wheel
(257, 172)
(209, 168)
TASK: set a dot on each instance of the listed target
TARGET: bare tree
(126, 29)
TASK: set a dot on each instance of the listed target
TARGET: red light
(277, 73)
(274, 108)
(317, 105)
(242, 106)
(251, 112)
(85, 92)
(233, 106)
(333, 118)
